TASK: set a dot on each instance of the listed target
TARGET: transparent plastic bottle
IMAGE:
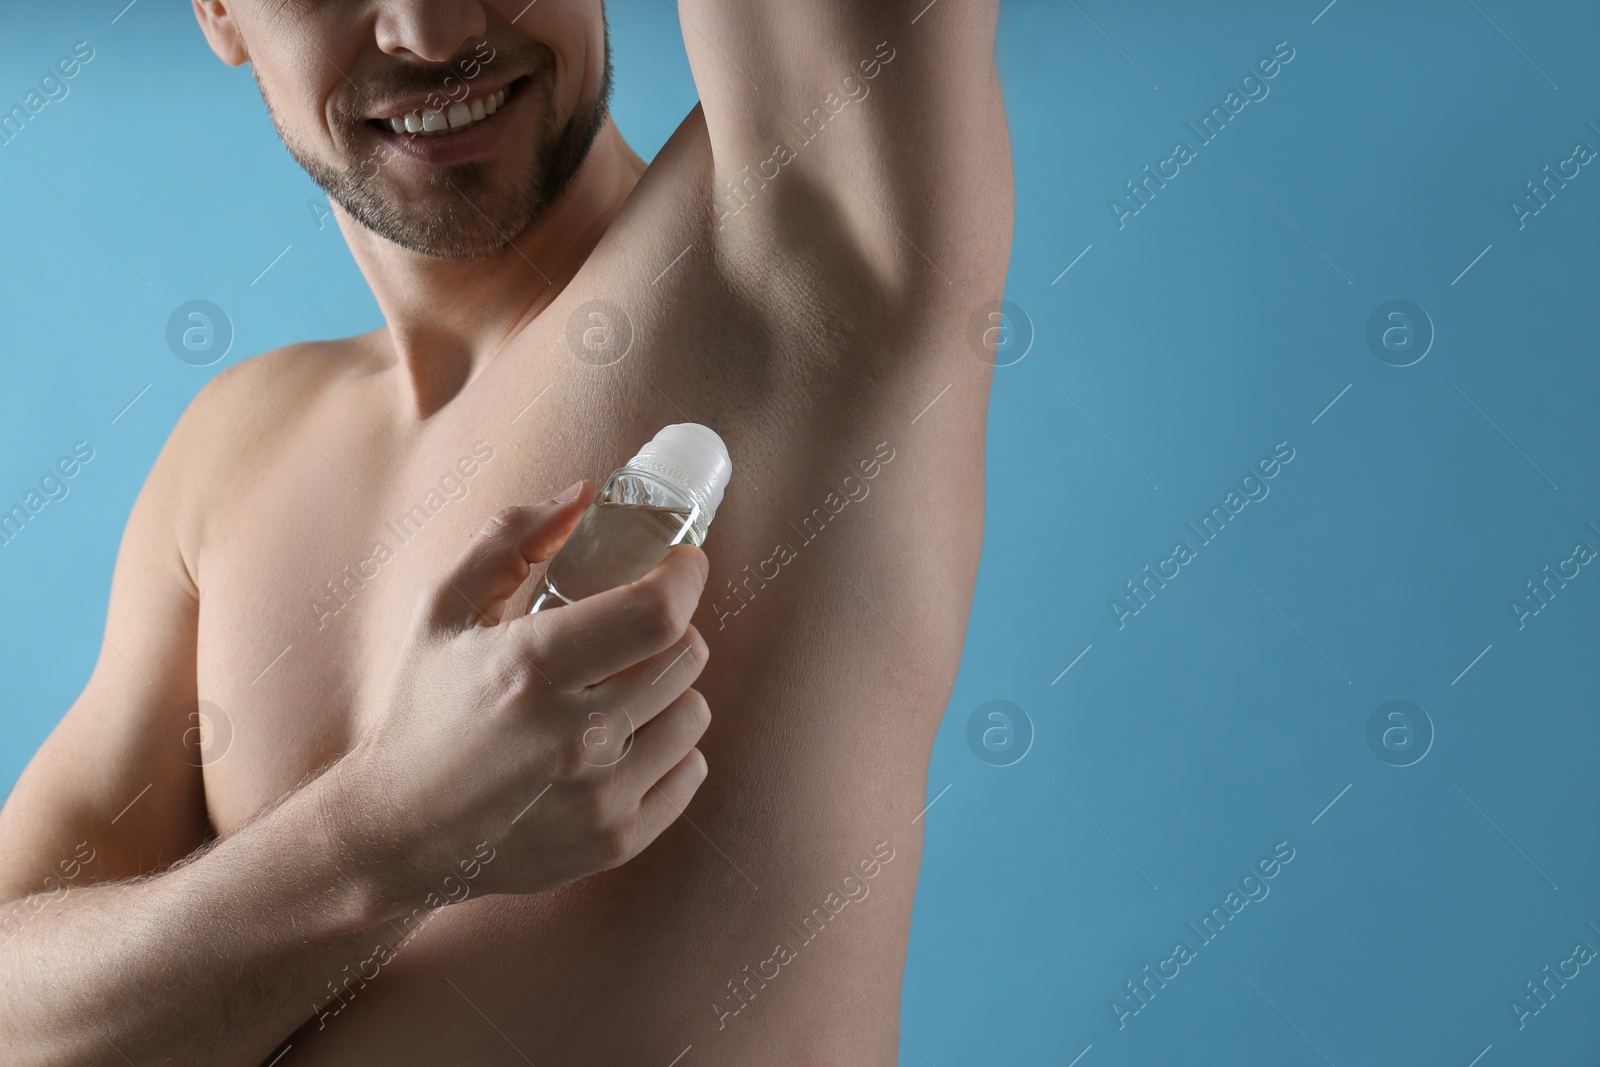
(665, 495)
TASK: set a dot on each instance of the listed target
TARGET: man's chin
(457, 221)
(440, 236)
(465, 211)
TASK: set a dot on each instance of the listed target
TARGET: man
(330, 794)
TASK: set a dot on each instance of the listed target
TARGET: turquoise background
(1220, 320)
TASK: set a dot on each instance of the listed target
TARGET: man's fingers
(496, 561)
(651, 684)
(665, 801)
(591, 639)
(662, 744)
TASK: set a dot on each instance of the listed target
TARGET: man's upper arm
(117, 779)
(885, 115)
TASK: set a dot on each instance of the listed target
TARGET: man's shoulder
(291, 376)
(240, 416)
(266, 390)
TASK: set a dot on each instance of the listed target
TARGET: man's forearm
(216, 960)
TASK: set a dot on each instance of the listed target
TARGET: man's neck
(446, 318)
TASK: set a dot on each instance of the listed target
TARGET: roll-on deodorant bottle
(666, 495)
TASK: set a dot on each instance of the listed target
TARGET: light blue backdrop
(1229, 714)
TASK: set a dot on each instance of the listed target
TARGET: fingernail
(570, 492)
(705, 564)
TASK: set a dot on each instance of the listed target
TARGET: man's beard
(478, 219)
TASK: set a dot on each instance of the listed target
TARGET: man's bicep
(115, 790)
(796, 69)
(873, 129)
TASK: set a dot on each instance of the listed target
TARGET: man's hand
(565, 739)
(505, 731)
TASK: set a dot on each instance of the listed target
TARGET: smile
(458, 115)
(455, 133)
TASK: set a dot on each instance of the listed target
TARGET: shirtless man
(330, 794)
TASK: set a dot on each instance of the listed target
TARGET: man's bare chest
(314, 558)
(315, 554)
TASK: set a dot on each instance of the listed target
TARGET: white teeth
(459, 114)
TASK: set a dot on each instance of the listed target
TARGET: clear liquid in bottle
(666, 495)
(613, 544)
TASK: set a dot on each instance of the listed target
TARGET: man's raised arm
(863, 130)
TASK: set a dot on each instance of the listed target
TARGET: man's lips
(472, 138)
(452, 116)
(422, 103)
